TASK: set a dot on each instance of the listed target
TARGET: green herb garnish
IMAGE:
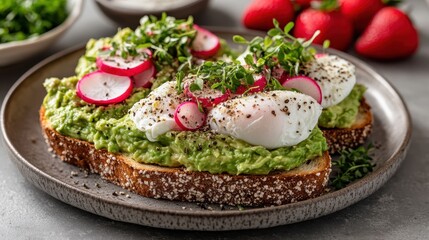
(221, 75)
(22, 19)
(278, 48)
(352, 164)
(168, 39)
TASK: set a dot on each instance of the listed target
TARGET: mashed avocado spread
(110, 127)
(343, 114)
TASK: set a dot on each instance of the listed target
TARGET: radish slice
(306, 86)
(188, 116)
(145, 78)
(102, 88)
(277, 72)
(207, 97)
(241, 89)
(106, 47)
(129, 66)
(319, 55)
(283, 78)
(280, 74)
(205, 44)
(258, 86)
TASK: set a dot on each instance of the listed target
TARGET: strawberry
(333, 26)
(360, 12)
(260, 14)
(389, 36)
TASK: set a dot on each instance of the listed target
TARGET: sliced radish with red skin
(319, 55)
(305, 85)
(257, 86)
(283, 78)
(188, 116)
(145, 78)
(280, 74)
(120, 66)
(277, 72)
(241, 89)
(105, 48)
(102, 88)
(207, 97)
(205, 44)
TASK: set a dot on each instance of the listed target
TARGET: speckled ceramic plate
(27, 147)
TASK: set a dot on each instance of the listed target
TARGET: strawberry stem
(391, 2)
(325, 5)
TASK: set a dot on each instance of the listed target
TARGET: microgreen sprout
(278, 48)
(352, 164)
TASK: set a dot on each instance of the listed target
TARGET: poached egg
(271, 119)
(335, 76)
(154, 114)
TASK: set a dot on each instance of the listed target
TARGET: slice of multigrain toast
(304, 182)
(342, 138)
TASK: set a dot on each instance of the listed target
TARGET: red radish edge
(187, 114)
(101, 86)
(280, 74)
(258, 86)
(145, 78)
(319, 55)
(205, 45)
(119, 66)
(207, 102)
(305, 85)
(241, 89)
(283, 78)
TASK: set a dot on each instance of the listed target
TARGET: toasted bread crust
(307, 181)
(342, 138)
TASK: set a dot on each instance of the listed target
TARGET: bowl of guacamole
(28, 27)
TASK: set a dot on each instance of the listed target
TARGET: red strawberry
(333, 26)
(390, 35)
(360, 12)
(260, 14)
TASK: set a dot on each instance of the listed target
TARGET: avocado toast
(140, 143)
(346, 119)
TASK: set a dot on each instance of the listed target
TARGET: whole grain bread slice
(342, 138)
(304, 182)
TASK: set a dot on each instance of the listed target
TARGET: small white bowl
(127, 13)
(12, 52)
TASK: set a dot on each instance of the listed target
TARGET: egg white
(154, 114)
(271, 119)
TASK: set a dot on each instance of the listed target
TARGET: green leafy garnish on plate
(351, 165)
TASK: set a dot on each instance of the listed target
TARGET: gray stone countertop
(399, 210)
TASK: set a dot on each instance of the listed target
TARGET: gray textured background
(399, 210)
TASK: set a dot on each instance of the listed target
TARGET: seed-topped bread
(342, 138)
(176, 183)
